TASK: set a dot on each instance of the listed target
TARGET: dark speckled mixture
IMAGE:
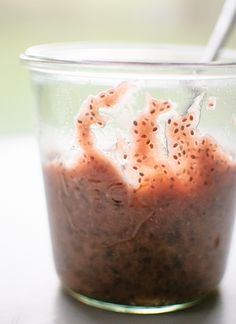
(153, 232)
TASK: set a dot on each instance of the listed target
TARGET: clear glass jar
(138, 155)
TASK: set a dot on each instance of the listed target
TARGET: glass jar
(138, 156)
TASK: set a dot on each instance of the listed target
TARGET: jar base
(131, 309)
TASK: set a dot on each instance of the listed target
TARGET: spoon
(220, 34)
(222, 29)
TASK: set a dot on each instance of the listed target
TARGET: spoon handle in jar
(221, 31)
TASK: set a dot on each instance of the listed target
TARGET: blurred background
(24, 23)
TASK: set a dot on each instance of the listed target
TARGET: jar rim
(126, 54)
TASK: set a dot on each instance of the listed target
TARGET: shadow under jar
(138, 156)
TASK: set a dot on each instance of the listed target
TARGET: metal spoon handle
(221, 30)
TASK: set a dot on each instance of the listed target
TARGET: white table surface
(30, 292)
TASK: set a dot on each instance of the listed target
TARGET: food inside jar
(153, 226)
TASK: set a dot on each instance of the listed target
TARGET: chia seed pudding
(152, 229)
